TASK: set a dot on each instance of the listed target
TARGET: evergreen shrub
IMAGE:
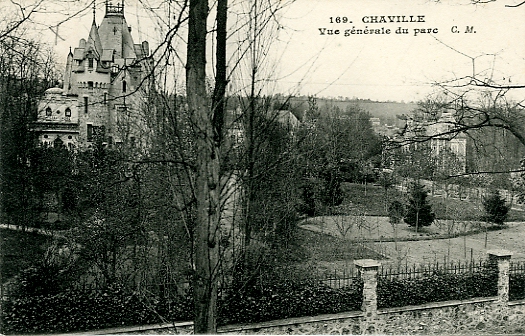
(517, 286)
(288, 299)
(418, 211)
(436, 287)
(495, 207)
(79, 310)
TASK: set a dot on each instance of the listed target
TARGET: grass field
(372, 201)
(20, 251)
(365, 215)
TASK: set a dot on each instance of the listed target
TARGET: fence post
(367, 270)
(501, 258)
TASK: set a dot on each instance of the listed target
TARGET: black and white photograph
(262, 167)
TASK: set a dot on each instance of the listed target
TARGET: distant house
(447, 145)
(445, 139)
(375, 122)
(235, 127)
(288, 120)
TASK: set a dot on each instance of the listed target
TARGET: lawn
(20, 251)
(372, 201)
(330, 255)
(460, 248)
(324, 247)
(359, 228)
(362, 216)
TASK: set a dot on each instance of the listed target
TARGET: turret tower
(101, 79)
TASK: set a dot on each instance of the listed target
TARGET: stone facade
(104, 88)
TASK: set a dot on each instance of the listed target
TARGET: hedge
(436, 287)
(288, 299)
(516, 286)
(76, 310)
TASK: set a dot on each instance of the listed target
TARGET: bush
(44, 299)
(287, 299)
(517, 287)
(396, 211)
(332, 193)
(419, 211)
(308, 205)
(436, 287)
(495, 207)
(78, 310)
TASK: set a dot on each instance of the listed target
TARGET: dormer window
(68, 112)
(90, 63)
(49, 112)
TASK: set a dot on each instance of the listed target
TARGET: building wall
(108, 106)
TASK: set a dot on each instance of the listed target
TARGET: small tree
(387, 180)
(495, 208)
(419, 212)
(332, 193)
(396, 211)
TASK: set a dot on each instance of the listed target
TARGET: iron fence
(419, 270)
(517, 267)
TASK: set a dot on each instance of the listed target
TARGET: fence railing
(517, 267)
(418, 270)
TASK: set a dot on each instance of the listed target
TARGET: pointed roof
(93, 41)
(128, 49)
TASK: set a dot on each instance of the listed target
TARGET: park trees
(418, 211)
(496, 208)
(336, 146)
(26, 71)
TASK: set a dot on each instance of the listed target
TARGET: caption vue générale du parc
(418, 26)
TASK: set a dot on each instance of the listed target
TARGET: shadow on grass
(20, 251)
(324, 247)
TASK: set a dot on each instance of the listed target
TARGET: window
(124, 86)
(90, 63)
(49, 112)
(68, 112)
(58, 112)
(95, 132)
(90, 85)
(85, 104)
(105, 98)
(58, 143)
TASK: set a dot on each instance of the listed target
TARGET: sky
(383, 67)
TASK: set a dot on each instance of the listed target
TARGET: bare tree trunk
(250, 139)
(207, 176)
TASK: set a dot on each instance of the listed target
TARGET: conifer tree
(419, 211)
(495, 208)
